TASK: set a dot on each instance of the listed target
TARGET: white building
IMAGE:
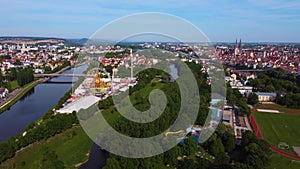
(266, 96)
(3, 92)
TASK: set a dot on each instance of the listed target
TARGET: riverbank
(45, 119)
(16, 95)
(78, 64)
(71, 147)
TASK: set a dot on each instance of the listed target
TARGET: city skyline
(221, 21)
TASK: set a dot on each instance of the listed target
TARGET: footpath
(10, 96)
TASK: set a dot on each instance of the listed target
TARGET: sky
(219, 20)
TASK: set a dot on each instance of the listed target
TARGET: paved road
(10, 96)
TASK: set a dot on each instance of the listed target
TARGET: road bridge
(65, 75)
(249, 70)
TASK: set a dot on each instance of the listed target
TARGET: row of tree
(25, 76)
(286, 85)
(22, 75)
(235, 98)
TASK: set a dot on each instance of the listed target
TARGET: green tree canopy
(252, 99)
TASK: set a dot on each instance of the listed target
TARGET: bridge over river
(58, 74)
(249, 70)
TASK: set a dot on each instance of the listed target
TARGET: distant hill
(81, 41)
(30, 40)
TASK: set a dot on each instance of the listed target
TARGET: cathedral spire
(237, 48)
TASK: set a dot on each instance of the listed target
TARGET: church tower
(237, 48)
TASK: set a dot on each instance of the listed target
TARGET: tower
(131, 65)
(237, 47)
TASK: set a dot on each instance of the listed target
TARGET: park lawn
(281, 162)
(14, 84)
(144, 92)
(277, 128)
(97, 122)
(110, 116)
(71, 149)
(147, 90)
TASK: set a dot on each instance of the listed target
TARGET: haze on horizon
(221, 21)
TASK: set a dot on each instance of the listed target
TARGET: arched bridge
(66, 75)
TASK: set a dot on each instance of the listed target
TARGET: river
(34, 104)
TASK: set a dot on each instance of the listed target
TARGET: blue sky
(220, 20)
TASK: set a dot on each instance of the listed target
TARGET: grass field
(281, 162)
(277, 128)
(14, 84)
(71, 147)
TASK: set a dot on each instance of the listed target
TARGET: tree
(47, 69)
(270, 88)
(187, 164)
(189, 146)
(129, 163)
(298, 80)
(252, 99)
(6, 151)
(229, 141)
(151, 163)
(249, 137)
(25, 76)
(170, 157)
(202, 163)
(17, 62)
(221, 129)
(5, 57)
(202, 115)
(112, 163)
(11, 74)
(257, 153)
(234, 97)
(221, 159)
(109, 68)
(238, 165)
(51, 161)
(1, 78)
(230, 96)
(216, 147)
